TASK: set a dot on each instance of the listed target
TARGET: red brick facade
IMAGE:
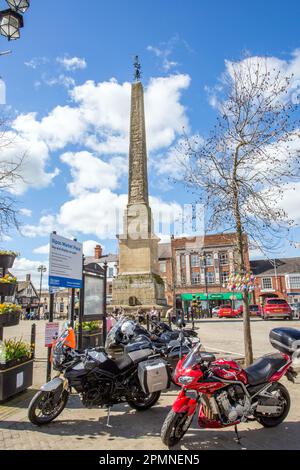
(185, 266)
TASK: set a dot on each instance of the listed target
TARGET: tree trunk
(246, 313)
(242, 268)
(247, 330)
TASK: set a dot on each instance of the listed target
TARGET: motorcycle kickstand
(108, 418)
(238, 437)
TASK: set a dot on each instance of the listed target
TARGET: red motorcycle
(228, 395)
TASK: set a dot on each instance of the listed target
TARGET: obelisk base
(139, 290)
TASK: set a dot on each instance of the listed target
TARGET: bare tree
(242, 170)
(10, 176)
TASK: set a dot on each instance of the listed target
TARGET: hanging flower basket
(9, 315)
(7, 289)
(7, 259)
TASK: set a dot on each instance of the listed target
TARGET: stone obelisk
(138, 283)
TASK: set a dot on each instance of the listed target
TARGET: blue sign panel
(65, 263)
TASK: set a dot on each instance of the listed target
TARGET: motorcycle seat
(264, 368)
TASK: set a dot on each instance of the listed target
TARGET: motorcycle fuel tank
(229, 370)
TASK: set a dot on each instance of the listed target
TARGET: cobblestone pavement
(79, 428)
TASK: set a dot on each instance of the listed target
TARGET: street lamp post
(204, 264)
(41, 269)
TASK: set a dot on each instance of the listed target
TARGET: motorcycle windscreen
(114, 337)
(192, 358)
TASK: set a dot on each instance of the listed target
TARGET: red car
(226, 311)
(277, 308)
(255, 310)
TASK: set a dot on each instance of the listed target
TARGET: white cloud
(33, 156)
(25, 266)
(72, 63)
(290, 201)
(47, 225)
(26, 212)
(288, 68)
(42, 250)
(100, 116)
(62, 79)
(101, 214)
(36, 62)
(165, 50)
(92, 173)
(98, 120)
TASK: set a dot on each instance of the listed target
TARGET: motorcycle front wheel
(175, 427)
(44, 408)
(143, 404)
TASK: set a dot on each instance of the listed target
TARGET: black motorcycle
(137, 377)
(172, 345)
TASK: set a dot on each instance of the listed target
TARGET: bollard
(33, 338)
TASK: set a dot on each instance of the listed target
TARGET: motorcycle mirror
(181, 323)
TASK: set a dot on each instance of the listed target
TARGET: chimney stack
(98, 252)
(28, 277)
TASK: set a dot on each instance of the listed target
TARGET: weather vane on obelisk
(137, 69)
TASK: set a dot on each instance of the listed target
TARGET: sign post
(65, 271)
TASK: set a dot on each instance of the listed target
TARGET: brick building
(277, 278)
(201, 266)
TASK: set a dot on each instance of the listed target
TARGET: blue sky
(68, 80)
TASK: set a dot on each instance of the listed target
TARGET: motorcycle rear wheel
(175, 427)
(273, 421)
(40, 412)
(143, 405)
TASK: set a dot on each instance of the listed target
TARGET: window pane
(267, 283)
(163, 267)
(295, 282)
(195, 261)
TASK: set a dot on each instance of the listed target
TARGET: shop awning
(221, 296)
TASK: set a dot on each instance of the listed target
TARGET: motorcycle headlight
(185, 380)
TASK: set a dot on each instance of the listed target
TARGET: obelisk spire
(138, 173)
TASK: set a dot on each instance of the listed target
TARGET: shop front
(214, 300)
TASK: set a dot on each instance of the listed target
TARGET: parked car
(277, 308)
(226, 311)
(255, 310)
(215, 311)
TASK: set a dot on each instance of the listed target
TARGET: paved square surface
(79, 428)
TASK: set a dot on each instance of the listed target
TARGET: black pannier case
(286, 340)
